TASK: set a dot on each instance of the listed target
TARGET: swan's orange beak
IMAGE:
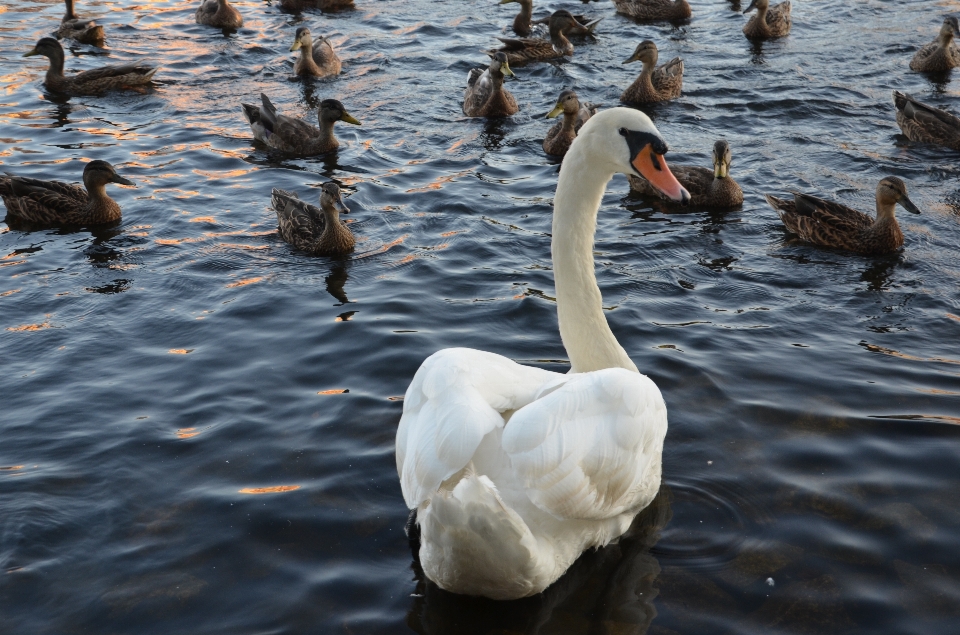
(653, 167)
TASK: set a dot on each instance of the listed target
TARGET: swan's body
(514, 471)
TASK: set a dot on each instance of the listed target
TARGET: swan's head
(629, 143)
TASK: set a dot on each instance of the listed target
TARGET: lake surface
(160, 374)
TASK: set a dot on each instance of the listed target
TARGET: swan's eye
(623, 132)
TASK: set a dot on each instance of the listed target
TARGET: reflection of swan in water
(613, 586)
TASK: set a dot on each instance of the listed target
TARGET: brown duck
(770, 22)
(317, 231)
(575, 114)
(830, 224)
(485, 95)
(92, 82)
(941, 54)
(296, 6)
(654, 9)
(524, 50)
(926, 124)
(317, 59)
(41, 202)
(523, 23)
(84, 31)
(296, 136)
(219, 13)
(654, 84)
(708, 188)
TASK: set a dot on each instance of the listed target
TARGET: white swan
(514, 471)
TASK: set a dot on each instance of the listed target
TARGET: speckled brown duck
(654, 84)
(926, 124)
(524, 50)
(317, 58)
(941, 54)
(296, 136)
(830, 224)
(318, 231)
(92, 82)
(84, 31)
(654, 9)
(219, 13)
(575, 114)
(296, 6)
(40, 202)
(524, 25)
(708, 188)
(485, 95)
(769, 23)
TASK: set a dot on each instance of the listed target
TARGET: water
(156, 371)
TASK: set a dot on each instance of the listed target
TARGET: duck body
(525, 50)
(295, 136)
(830, 224)
(514, 471)
(83, 31)
(92, 82)
(926, 124)
(769, 22)
(708, 188)
(40, 202)
(485, 95)
(654, 83)
(317, 58)
(219, 13)
(654, 9)
(941, 54)
(562, 133)
(296, 6)
(318, 231)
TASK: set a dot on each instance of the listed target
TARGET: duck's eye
(623, 132)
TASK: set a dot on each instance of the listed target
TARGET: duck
(317, 59)
(83, 31)
(296, 6)
(219, 13)
(926, 124)
(92, 82)
(485, 95)
(575, 114)
(523, 24)
(708, 188)
(318, 231)
(653, 84)
(524, 50)
(40, 202)
(941, 54)
(770, 22)
(296, 136)
(654, 9)
(513, 471)
(829, 224)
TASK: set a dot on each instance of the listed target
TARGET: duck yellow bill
(653, 167)
(350, 119)
(31, 52)
(505, 69)
(720, 170)
(556, 111)
(295, 46)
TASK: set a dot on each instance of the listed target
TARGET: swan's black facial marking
(638, 140)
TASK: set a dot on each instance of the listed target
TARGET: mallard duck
(485, 95)
(941, 54)
(575, 114)
(830, 224)
(316, 230)
(926, 124)
(90, 82)
(523, 24)
(521, 51)
(770, 22)
(653, 84)
(296, 6)
(317, 59)
(654, 9)
(295, 135)
(56, 203)
(219, 13)
(708, 188)
(84, 31)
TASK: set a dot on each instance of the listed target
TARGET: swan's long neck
(584, 330)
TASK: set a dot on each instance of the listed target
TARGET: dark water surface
(157, 372)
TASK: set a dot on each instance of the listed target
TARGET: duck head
(567, 103)
(721, 159)
(759, 5)
(332, 110)
(98, 173)
(892, 190)
(645, 52)
(498, 64)
(330, 200)
(47, 47)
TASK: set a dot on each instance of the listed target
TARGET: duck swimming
(83, 31)
(296, 136)
(830, 224)
(317, 231)
(575, 114)
(218, 13)
(941, 54)
(770, 22)
(654, 9)
(653, 84)
(56, 203)
(708, 188)
(296, 6)
(523, 24)
(513, 471)
(485, 95)
(524, 50)
(92, 82)
(317, 59)
(926, 124)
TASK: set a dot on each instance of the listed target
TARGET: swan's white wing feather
(591, 449)
(455, 399)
